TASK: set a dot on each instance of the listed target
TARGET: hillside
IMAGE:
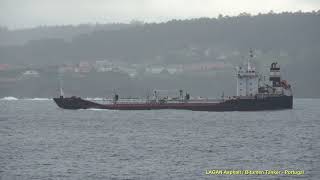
(290, 38)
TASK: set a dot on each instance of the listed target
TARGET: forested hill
(291, 38)
(66, 32)
(294, 34)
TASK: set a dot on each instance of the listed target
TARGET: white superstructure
(249, 85)
(247, 80)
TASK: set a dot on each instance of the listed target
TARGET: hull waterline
(269, 103)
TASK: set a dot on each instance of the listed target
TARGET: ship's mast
(251, 57)
(60, 86)
(248, 79)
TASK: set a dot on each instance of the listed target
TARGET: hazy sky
(29, 13)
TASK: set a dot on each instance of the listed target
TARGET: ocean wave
(9, 98)
(38, 99)
(95, 109)
(95, 99)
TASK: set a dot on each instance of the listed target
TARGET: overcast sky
(29, 13)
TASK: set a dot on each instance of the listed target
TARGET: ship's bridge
(247, 80)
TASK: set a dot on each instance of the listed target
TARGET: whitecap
(10, 98)
(94, 99)
(39, 99)
(95, 109)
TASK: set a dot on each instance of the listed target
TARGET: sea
(38, 140)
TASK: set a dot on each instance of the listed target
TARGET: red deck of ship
(136, 106)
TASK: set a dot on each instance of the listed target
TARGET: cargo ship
(253, 94)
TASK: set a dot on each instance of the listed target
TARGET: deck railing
(144, 101)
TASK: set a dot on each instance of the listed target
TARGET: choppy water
(41, 141)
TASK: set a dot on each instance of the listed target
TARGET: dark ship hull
(238, 104)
